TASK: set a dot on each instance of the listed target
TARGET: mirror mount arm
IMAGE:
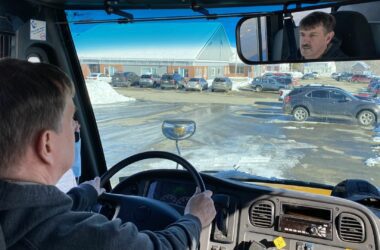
(289, 29)
(297, 3)
(197, 8)
(179, 152)
(112, 8)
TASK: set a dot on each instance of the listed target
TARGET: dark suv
(175, 81)
(271, 83)
(125, 79)
(344, 76)
(329, 101)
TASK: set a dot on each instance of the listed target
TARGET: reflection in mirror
(313, 35)
(251, 30)
(34, 59)
(178, 129)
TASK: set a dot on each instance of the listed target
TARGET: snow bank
(102, 92)
(371, 162)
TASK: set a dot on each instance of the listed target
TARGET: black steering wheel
(144, 212)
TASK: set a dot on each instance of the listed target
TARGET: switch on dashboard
(304, 246)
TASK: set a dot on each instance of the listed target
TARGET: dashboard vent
(262, 214)
(351, 228)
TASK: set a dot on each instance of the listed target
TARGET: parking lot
(238, 123)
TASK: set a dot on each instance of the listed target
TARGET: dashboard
(172, 192)
(257, 217)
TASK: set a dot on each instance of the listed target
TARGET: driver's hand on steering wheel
(202, 206)
(95, 183)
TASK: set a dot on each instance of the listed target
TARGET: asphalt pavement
(242, 130)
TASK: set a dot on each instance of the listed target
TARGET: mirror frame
(295, 7)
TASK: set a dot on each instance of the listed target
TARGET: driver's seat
(2, 240)
(353, 29)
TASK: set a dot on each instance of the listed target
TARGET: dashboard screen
(172, 192)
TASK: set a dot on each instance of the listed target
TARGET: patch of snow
(240, 82)
(371, 162)
(309, 128)
(290, 128)
(376, 139)
(101, 92)
(294, 128)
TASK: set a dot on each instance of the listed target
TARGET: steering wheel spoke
(142, 211)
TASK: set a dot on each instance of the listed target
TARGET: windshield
(241, 129)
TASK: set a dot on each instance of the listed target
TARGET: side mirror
(178, 129)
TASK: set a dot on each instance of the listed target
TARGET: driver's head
(36, 110)
(316, 33)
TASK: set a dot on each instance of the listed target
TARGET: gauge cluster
(172, 192)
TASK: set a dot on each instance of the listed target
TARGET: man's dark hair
(317, 18)
(32, 99)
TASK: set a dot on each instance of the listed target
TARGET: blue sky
(228, 23)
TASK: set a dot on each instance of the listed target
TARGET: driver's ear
(330, 36)
(44, 147)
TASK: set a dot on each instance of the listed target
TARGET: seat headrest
(353, 29)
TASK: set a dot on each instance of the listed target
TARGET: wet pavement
(257, 138)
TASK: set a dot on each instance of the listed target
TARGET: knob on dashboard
(313, 230)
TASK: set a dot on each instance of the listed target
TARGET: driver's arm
(97, 232)
(85, 195)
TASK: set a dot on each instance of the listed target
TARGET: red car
(360, 78)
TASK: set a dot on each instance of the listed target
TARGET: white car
(99, 76)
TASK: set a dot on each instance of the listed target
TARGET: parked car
(271, 83)
(175, 81)
(221, 84)
(344, 76)
(296, 74)
(330, 101)
(269, 74)
(197, 84)
(150, 80)
(334, 75)
(360, 78)
(309, 76)
(99, 76)
(372, 83)
(315, 74)
(125, 79)
(375, 90)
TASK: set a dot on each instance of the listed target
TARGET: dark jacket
(34, 216)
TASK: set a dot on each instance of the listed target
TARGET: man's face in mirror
(314, 41)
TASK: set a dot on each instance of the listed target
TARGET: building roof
(138, 41)
(361, 64)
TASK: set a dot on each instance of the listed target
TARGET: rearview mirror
(310, 35)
